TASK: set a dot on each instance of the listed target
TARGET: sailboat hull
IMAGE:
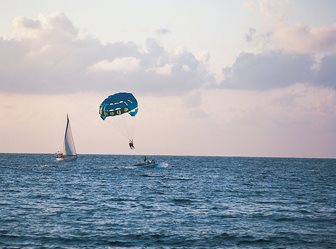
(66, 158)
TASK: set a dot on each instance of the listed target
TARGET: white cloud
(163, 70)
(50, 55)
(287, 53)
(271, 8)
(45, 27)
(56, 59)
(162, 31)
(276, 33)
(305, 39)
(186, 68)
(124, 65)
(275, 10)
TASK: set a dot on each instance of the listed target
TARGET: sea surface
(102, 201)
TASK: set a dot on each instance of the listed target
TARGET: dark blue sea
(102, 201)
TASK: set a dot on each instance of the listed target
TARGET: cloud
(123, 65)
(277, 33)
(250, 34)
(326, 74)
(26, 23)
(278, 69)
(270, 9)
(267, 70)
(50, 55)
(292, 53)
(162, 31)
(295, 38)
(163, 70)
(305, 39)
(54, 26)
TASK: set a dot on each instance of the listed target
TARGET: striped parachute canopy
(118, 104)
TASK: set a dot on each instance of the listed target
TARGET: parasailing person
(119, 106)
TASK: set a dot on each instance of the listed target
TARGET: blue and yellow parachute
(118, 104)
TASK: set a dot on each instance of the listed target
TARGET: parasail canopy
(118, 104)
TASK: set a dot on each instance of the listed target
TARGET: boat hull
(146, 164)
(66, 159)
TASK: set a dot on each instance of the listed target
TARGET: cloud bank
(278, 69)
(50, 55)
(267, 70)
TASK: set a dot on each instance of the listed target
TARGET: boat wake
(162, 165)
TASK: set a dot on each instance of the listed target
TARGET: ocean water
(102, 201)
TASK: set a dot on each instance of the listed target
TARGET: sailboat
(68, 152)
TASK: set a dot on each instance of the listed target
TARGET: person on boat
(131, 145)
(148, 161)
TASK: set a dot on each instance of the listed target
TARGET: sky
(212, 78)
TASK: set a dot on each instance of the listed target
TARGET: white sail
(68, 152)
(69, 145)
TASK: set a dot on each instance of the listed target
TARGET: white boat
(68, 152)
(147, 162)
